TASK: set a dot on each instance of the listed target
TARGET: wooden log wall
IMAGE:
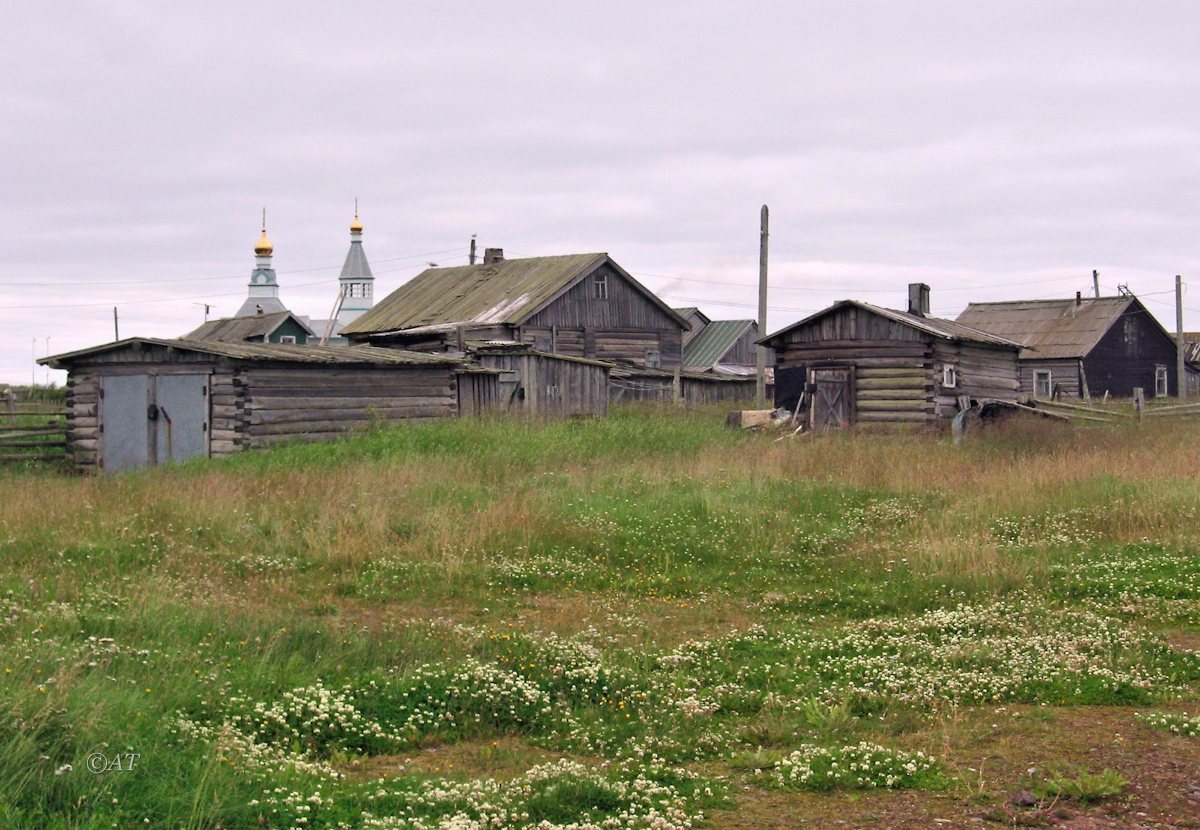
(227, 400)
(83, 420)
(697, 391)
(982, 372)
(893, 379)
(284, 403)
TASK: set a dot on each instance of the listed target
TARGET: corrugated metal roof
(276, 352)
(1051, 329)
(707, 348)
(504, 293)
(936, 326)
(241, 329)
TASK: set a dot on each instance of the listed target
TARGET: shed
(579, 305)
(540, 384)
(696, 320)
(864, 364)
(1083, 347)
(143, 401)
(725, 347)
(277, 327)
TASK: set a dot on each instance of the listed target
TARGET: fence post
(10, 404)
(1139, 401)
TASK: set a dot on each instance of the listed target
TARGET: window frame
(949, 376)
(1162, 382)
(600, 286)
(1038, 374)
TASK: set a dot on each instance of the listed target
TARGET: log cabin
(580, 305)
(143, 402)
(857, 363)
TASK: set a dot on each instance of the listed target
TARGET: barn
(578, 305)
(1083, 347)
(143, 401)
(856, 363)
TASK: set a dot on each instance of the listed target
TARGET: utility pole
(1180, 346)
(760, 388)
(116, 326)
(472, 259)
(1096, 283)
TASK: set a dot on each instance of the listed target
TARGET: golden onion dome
(264, 247)
(356, 225)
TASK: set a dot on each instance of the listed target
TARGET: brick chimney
(918, 299)
(493, 256)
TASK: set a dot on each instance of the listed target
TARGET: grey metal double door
(152, 419)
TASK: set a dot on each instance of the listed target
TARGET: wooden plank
(896, 417)
(894, 406)
(351, 402)
(911, 368)
(891, 394)
(328, 416)
(911, 382)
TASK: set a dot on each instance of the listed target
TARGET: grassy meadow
(647, 621)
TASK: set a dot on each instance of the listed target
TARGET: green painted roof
(506, 292)
(704, 350)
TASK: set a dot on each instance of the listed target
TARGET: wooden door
(832, 397)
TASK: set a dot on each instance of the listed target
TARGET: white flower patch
(861, 766)
(1180, 724)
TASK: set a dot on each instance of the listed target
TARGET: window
(949, 376)
(1042, 386)
(600, 282)
(287, 338)
(653, 358)
(1160, 382)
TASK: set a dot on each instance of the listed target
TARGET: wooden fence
(1136, 408)
(32, 437)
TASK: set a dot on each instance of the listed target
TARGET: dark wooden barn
(539, 384)
(1083, 347)
(861, 364)
(582, 305)
(143, 401)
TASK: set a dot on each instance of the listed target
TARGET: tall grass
(129, 602)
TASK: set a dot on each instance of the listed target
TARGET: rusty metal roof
(936, 326)
(1051, 329)
(504, 293)
(241, 329)
(273, 352)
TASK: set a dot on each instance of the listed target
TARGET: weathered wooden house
(143, 401)
(857, 363)
(1083, 347)
(582, 305)
(277, 327)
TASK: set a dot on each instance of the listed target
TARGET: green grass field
(647, 621)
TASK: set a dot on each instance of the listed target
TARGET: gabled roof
(936, 326)
(275, 352)
(1053, 329)
(503, 293)
(241, 329)
(688, 311)
(707, 348)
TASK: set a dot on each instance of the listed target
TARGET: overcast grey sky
(993, 150)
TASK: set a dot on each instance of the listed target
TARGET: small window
(1042, 385)
(600, 281)
(949, 376)
(653, 358)
(287, 338)
(1160, 382)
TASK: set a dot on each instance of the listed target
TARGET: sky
(996, 151)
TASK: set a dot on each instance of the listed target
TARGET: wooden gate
(832, 397)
